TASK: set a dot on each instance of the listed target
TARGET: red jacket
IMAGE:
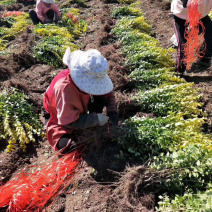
(65, 102)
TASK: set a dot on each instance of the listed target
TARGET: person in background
(179, 12)
(76, 97)
(45, 12)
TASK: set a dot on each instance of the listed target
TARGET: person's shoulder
(64, 82)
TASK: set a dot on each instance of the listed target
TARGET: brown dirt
(93, 188)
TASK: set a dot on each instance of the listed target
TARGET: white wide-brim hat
(88, 70)
(48, 1)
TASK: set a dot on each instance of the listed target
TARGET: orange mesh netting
(193, 48)
(30, 191)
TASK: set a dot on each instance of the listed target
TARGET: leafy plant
(141, 50)
(18, 122)
(152, 78)
(173, 140)
(126, 1)
(7, 2)
(147, 137)
(192, 165)
(130, 23)
(16, 25)
(50, 30)
(50, 50)
(176, 98)
(192, 202)
(126, 11)
(57, 37)
(81, 3)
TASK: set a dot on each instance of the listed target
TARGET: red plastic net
(195, 45)
(31, 191)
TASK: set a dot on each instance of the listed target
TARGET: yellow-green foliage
(2, 45)
(176, 98)
(19, 25)
(146, 79)
(18, 122)
(55, 38)
(135, 23)
(75, 25)
(130, 10)
(126, 1)
(210, 15)
(141, 50)
(173, 140)
(52, 30)
(81, 3)
(7, 2)
(51, 50)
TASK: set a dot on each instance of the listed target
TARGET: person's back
(45, 12)
(84, 87)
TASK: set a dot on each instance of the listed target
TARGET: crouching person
(76, 97)
(45, 12)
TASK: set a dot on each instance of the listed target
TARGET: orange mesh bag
(195, 46)
(31, 191)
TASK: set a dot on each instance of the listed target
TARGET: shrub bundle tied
(14, 24)
(55, 38)
(173, 139)
(18, 122)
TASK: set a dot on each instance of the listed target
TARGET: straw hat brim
(91, 84)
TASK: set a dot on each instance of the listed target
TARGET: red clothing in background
(42, 9)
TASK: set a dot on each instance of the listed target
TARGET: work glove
(102, 119)
(113, 118)
(47, 21)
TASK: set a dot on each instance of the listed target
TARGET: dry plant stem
(138, 184)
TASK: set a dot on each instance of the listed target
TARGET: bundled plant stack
(19, 125)
(172, 139)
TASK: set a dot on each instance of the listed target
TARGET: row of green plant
(55, 38)
(7, 2)
(12, 27)
(173, 140)
(19, 124)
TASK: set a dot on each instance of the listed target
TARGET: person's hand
(113, 117)
(103, 119)
(47, 21)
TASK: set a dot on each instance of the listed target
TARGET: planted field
(158, 158)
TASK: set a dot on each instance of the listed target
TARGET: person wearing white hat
(45, 12)
(76, 97)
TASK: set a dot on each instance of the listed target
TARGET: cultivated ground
(97, 185)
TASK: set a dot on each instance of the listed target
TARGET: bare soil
(100, 183)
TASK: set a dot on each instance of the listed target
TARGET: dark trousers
(95, 105)
(179, 27)
(36, 20)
